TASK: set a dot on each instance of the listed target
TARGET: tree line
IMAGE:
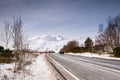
(73, 46)
(107, 40)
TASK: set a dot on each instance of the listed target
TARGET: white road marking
(76, 78)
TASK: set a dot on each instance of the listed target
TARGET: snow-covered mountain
(50, 42)
(47, 42)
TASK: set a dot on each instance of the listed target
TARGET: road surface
(74, 67)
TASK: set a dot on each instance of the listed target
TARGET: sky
(69, 18)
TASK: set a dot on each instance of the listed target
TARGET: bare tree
(117, 24)
(18, 41)
(6, 34)
(101, 29)
(110, 37)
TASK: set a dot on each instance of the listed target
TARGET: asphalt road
(74, 67)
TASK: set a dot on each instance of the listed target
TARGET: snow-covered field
(88, 54)
(40, 69)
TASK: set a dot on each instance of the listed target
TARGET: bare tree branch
(6, 34)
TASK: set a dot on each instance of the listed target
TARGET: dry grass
(27, 63)
(5, 60)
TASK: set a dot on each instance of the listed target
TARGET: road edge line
(64, 69)
(48, 59)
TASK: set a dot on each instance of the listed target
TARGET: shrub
(7, 53)
(1, 49)
(5, 60)
(76, 49)
(116, 52)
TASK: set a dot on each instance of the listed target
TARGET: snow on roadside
(88, 54)
(4, 72)
(40, 69)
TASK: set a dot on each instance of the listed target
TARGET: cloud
(66, 17)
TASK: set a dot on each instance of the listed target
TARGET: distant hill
(50, 42)
(47, 42)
